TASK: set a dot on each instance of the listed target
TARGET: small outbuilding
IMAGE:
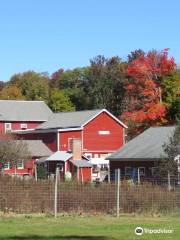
(141, 153)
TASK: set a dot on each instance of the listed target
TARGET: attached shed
(142, 152)
(81, 169)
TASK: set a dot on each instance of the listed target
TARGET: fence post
(169, 181)
(56, 191)
(118, 192)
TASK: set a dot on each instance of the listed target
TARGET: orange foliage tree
(144, 106)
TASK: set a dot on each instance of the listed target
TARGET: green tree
(73, 82)
(106, 83)
(60, 102)
(167, 164)
(33, 86)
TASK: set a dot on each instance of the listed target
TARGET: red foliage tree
(144, 106)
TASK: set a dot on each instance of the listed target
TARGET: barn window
(153, 170)
(20, 164)
(104, 132)
(23, 125)
(6, 166)
(128, 171)
(142, 171)
(8, 127)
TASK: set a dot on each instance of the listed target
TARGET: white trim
(34, 131)
(69, 144)
(25, 130)
(99, 151)
(104, 110)
(144, 174)
(8, 166)
(8, 129)
(58, 141)
(22, 162)
(127, 167)
(24, 126)
(82, 140)
(104, 132)
(69, 129)
(123, 136)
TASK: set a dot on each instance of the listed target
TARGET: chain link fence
(44, 196)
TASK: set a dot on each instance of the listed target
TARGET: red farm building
(22, 115)
(99, 131)
(37, 149)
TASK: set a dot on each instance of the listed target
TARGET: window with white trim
(20, 164)
(104, 132)
(6, 166)
(70, 144)
(142, 171)
(153, 170)
(8, 127)
(23, 125)
(128, 171)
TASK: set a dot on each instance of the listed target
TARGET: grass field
(85, 228)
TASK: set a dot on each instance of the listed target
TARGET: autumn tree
(145, 92)
(11, 92)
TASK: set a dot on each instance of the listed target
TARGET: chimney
(76, 148)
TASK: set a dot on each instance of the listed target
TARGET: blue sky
(45, 35)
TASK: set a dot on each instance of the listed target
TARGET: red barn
(100, 133)
(22, 115)
(37, 149)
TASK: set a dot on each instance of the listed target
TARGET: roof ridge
(86, 110)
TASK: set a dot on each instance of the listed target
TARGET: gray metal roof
(13, 110)
(81, 163)
(37, 148)
(69, 119)
(59, 156)
(148, 145)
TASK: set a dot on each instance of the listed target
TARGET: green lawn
(84, 228)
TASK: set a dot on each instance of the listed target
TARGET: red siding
(93, 141)
(50, 139)
(17, 125)
(64, 136)
(85, 174)
(28, 169)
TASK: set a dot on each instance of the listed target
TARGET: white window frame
(8, 166)
(23, 125)
(8, 129)
(70, 144)
(144, 171)
(104, 132)
(126, 171)
(22, 164)
(152, 170)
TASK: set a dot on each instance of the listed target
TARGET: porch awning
(57, 156)
(81, 163)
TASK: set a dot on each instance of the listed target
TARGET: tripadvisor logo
(139, 231)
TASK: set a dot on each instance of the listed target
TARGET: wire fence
(30, 196)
